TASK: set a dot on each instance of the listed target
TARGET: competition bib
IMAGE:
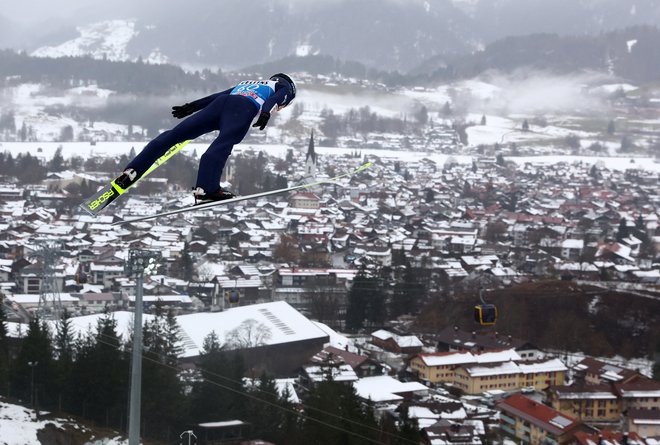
(256, 90)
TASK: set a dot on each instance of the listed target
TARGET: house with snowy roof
(533, 422)
(403, 344)
(387, 389)
(607, 437)
(588, 403)
(482, 371)
(363, 366)
(455, 339)
(639, 392)
(593, 372)
(446, 432)
(644, 422)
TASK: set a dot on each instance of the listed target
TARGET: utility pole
(139, 262)
(48, 251)
(32, 365)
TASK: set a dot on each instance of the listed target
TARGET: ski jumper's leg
(202, 122)
(235, 119)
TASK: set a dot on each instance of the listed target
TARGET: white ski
(208, 205)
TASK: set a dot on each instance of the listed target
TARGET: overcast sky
(30, 11)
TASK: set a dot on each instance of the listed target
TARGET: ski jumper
(231, 112)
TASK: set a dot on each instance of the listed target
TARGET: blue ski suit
(231, 112)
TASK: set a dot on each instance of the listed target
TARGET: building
(440, 367)
(534, 423)
(305, 200)
(270, 337)
(403, 344)
(639, 393)
(386, 389)
(594, 372)
(489, 370)
(609, 438)
(644, 422)
(455, 339)
(588, 403)
(311, 158)
(301, 287)
(363, 366)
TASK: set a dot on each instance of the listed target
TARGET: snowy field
(46, 150)
(19, 426)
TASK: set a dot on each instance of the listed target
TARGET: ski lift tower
(139, 262)
(50, 303)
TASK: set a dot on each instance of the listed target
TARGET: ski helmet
(286, 79)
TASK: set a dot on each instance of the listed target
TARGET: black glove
(263, 120)
(181, 111)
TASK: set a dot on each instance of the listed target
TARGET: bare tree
(248, 334)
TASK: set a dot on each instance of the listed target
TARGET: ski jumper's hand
(181, 111)
(262, 121)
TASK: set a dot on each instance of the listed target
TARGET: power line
(275, 405)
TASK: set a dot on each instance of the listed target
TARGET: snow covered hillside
(102, 40)
(19, 426)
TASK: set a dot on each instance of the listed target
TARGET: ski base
(208, 205)
(101, 199)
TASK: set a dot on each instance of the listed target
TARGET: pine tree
(184, 266)
(219, 393)
(408, 428)
(101, 373)
(162, 391)
(407, 294)
(336, 416)
(623, 232)
(611, 127)
(264, 411)
(34, 359)
(365, 302)
(64, 343)
(57, 163)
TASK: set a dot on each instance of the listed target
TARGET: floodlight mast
(139, 262)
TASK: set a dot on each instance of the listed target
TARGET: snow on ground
(505, 130)
(19, 426)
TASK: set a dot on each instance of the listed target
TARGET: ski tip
(364, 166)
(86, 210)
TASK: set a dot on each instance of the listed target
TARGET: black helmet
(285, 78)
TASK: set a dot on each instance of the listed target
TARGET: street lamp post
(139, 262)
(32, 365)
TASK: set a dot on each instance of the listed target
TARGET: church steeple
(311, 158)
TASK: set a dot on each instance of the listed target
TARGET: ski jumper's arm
(204, 101)
(280, 99)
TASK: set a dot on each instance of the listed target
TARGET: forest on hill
(560, 315)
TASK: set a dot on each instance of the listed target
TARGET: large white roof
(384, 388)
(279, 319)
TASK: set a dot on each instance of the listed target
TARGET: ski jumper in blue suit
(231, 112)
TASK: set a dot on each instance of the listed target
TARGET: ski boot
(202, 197)
(126, 179)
